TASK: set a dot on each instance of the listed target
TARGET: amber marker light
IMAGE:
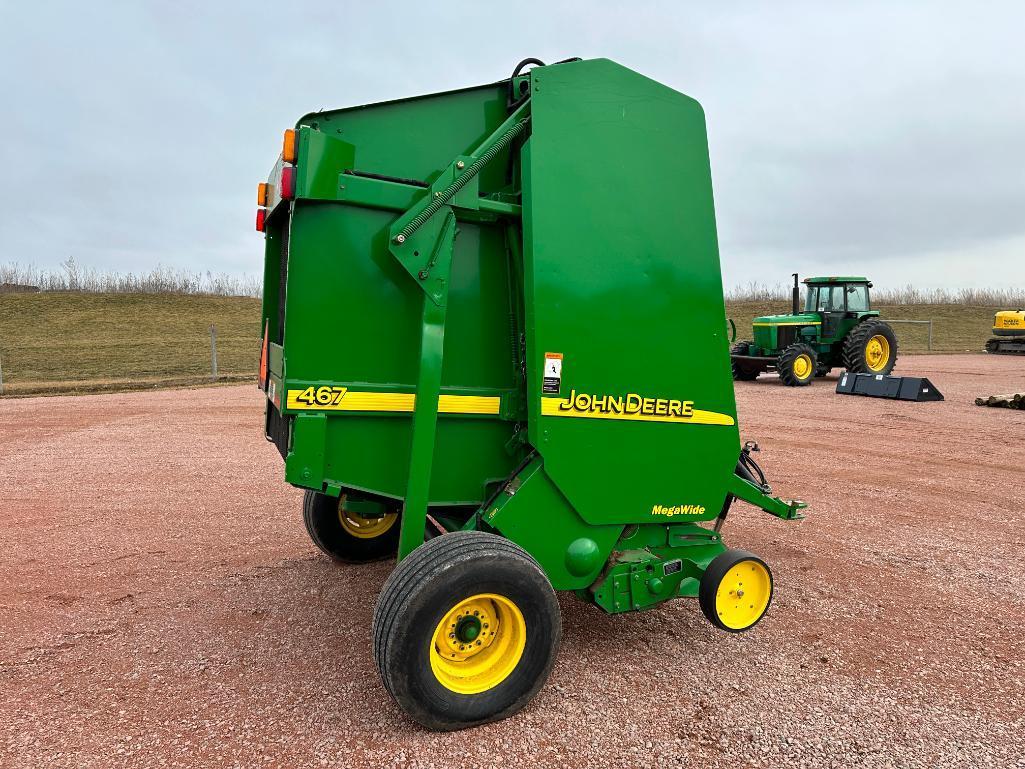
(290, 148)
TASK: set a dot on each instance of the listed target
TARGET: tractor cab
(837, 299)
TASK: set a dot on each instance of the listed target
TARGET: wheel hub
(743, 594)
(478, 643)
(467, 629)
(802, 366)
(363, 527)
(877, 352)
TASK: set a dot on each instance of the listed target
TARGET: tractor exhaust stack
(796, 305)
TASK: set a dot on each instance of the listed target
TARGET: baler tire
(794, 360)
(822, 370)
(481, 572)
(342, 541)
(743, 371)
(730, 567)
(856, 345)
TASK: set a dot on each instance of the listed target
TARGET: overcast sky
(878, 138)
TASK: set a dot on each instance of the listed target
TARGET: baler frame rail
(416, 233)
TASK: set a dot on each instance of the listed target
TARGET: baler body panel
(351, 319)
(622, 281)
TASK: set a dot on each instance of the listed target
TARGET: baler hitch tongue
(794, 508)
(749, 484)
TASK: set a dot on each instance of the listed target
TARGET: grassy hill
(85, 342)
(63, 341)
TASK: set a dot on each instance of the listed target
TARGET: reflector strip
(264, 357)
(342, 399)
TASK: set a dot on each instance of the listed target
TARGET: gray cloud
(881, 138)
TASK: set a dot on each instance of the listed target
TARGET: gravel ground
(161, 605)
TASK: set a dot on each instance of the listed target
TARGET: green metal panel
(539, 519)
(352, 316)
(415, 138)
(622, 279)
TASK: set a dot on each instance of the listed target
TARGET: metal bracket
(415, 235)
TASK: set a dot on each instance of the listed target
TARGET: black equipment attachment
(904, 388)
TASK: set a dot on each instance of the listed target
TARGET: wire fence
(928, 323)
(127, 363)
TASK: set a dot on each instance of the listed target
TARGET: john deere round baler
(495, 348)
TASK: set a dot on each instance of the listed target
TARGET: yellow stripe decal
(788, 323)
(550, 408)
(343, 399)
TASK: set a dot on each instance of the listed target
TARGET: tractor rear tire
(466, 630)
(743, 371)
(870, 348)
(797, 364)
(735, 591)
(346, 536)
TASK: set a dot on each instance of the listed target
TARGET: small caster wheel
(735, 590)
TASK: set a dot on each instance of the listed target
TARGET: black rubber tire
(427, 584)
(822, 370)
(857, 339)
(714, 574)
(785, 365)
(320, 514)
(743, 371)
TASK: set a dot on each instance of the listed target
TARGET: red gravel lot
(160, 603)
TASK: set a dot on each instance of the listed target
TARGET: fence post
(1, 377)
(929, 346)
(213, 353)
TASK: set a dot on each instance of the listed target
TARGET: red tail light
(261, 219)
(288, 182)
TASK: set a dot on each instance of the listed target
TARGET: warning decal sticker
(553, 373)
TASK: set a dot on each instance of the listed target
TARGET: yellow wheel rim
(877, 352)
(364, 528)
(743, 595)
(802, 366)
(478, 643)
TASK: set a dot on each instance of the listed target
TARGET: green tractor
(838, 328)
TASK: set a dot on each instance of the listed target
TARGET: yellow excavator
(1008, 333)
